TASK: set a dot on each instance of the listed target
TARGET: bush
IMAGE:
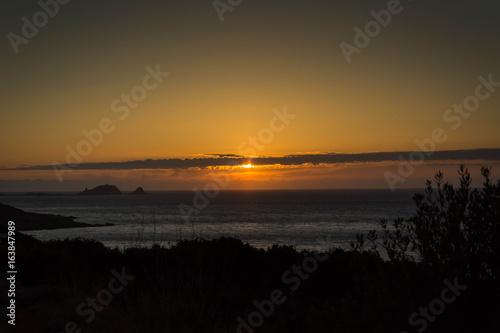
(455, 230)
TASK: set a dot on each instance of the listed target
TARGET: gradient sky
(227, 77)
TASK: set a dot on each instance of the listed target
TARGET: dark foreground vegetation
(442, 276)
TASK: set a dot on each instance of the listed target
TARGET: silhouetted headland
(33, 221)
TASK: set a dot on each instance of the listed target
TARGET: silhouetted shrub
(455, 230)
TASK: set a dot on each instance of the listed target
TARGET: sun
(247, 166)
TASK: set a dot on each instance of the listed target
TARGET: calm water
(261, 218)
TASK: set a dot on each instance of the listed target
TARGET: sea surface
(306, 219)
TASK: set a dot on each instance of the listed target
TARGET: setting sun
(247, 166)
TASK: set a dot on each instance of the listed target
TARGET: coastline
(29, 221)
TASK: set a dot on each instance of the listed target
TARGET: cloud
(287, 160)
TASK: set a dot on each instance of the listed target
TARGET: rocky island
(102, 190)
(139, 191)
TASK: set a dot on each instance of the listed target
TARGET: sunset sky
(233, 80)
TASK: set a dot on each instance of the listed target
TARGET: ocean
(301, 218)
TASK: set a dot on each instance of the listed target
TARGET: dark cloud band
(315, 159)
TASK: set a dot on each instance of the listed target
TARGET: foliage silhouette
(455, 230)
